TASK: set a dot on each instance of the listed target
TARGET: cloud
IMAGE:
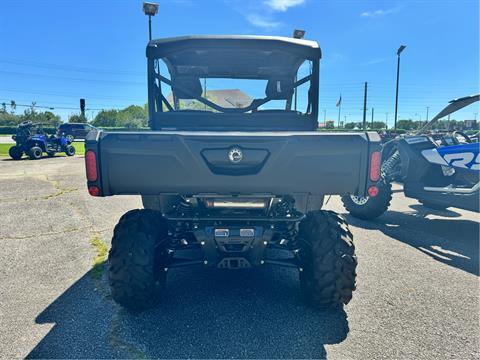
(263, 22)
(283, 5)
(374, 61)
(378, 13)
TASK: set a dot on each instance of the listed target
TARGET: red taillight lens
(375, 164)
(372, 191)
(94, 190)
(91, 165)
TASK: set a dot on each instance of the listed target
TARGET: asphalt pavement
(417, 294)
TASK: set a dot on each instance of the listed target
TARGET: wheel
(368, 208)
(35, 153)
(327, 255)
(70, 150)
(434, 206)
(15, 152)
(70, 138)
(138, 259)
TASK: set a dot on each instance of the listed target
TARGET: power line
(71, 67)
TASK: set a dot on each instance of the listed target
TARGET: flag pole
(339, 110)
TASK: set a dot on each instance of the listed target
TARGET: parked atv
(439, 171)
(30, 139)
(227, 185)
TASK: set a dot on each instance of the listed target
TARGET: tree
(350, 125)
(329, 124)
(74, 118)
(133, 116)
(406, 124)
(106, 118)
(377, 125)
(7, 119)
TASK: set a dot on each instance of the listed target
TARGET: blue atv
(30, 139)
(438, 170)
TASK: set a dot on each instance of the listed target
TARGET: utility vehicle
(230, 186)
(33, 141)
(438, 169)
(74, 131)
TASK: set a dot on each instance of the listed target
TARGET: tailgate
(231, 162)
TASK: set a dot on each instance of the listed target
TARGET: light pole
(426, 119)
(399, 51)
(150, 9)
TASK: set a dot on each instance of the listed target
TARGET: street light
(399, 51)
(150, 9)
(297, 34)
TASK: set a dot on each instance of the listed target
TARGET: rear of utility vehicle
(233, 170)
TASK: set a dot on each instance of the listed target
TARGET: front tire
(35, 153)
(15, 152)
(138, 258)
(327, 255)
(368, 208)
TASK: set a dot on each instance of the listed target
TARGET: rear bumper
(193, 163)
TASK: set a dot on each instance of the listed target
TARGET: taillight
(91, 165)
(94, 190)
(375, 164)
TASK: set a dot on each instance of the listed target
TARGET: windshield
(185, 92)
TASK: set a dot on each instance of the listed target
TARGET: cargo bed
(194, 163)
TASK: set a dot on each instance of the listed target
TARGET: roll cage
(274, 59)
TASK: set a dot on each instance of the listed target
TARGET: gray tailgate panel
(279, 163)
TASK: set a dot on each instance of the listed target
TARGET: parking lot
(417, 287)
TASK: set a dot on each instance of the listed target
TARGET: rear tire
(328, 258)
(70, 150)
(15, 152)
(138, 258)
(35, 153)
(368, 208)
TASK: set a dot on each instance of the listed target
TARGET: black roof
(239, 56)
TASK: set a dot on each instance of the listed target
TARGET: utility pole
(426, 119)
(373, 112)
(399, 51)
(365, 107)
(324, 116)
(339, 104)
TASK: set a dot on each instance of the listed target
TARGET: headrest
(188, 83)
(279, 88)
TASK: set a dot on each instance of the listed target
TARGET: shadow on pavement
(205, 314)
(453, 241)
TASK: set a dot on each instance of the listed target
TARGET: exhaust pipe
(453, 190)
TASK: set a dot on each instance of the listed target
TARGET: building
(227, 98)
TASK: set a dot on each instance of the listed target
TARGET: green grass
(79, 149)
(101, 252)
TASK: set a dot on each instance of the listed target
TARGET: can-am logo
(235, 155)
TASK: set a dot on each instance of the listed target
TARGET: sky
(57, 51)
